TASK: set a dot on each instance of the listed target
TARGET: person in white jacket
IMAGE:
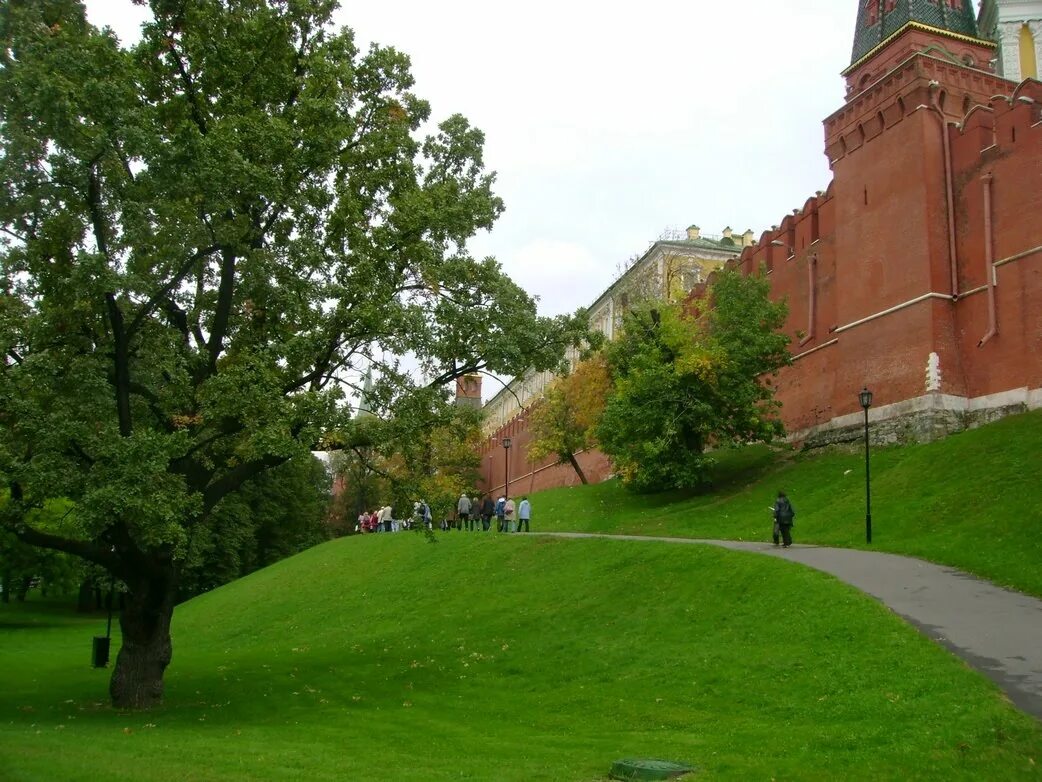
(524, 514)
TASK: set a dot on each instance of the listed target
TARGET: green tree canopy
(202, 234)
(688, 379)
(272, 516)
(565, 420)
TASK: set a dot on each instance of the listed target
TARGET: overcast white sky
(607, 126)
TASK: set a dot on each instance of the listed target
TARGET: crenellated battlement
(998, 127)
(1019, 115)
(922, 81)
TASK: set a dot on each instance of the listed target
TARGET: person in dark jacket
(488, 510)
(783, 516)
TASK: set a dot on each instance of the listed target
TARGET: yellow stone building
(668, 269)
(1016, 26)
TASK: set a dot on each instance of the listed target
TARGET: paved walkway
(996, 631)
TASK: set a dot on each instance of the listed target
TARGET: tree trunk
(137, 680)
(23, 588)
(578, 469)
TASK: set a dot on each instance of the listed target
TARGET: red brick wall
(1004, 140)
(879, 238)
(527, 476)
(895, 249)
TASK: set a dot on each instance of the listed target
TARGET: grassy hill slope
(973, 500)
(508, 658)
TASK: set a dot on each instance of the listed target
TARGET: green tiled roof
(954, 16)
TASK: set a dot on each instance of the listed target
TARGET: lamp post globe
(865, 398)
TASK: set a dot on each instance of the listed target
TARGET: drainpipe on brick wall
(949, 189)
(812, 264)
(989, 261)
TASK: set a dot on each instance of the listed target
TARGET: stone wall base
(920, 420)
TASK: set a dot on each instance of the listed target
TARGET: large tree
(203, 233)
(690, 378)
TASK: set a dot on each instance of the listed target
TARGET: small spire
(365, 404)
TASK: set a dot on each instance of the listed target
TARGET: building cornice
(913, 25)
(907, 63)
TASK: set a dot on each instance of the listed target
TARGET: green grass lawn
(973, 500)
(489, 657)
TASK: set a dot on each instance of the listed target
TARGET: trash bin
(101, 651)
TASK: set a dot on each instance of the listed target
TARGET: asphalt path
(997, 631)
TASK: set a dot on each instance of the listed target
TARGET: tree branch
(92, 552)
(153, 404)
(506, 386)
(167, 289)
(222, 314)
(190, 91)
(458, 372)
(78, 450)
(224, 431)
(94, 205)
(122, 361)
(236, 477)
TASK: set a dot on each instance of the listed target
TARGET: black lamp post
(865, 398)
(101, 645)
(506, 468)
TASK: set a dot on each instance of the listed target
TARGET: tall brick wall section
(878, 240)
(1005, 141)
(526, 476)
(894, 250)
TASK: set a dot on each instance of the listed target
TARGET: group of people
(381, 520)
(510, 516)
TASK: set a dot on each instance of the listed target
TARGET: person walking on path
(783, 516)
(524, 514)
(508, 515)
(500, 512)
(488, 510)
(463, 510)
